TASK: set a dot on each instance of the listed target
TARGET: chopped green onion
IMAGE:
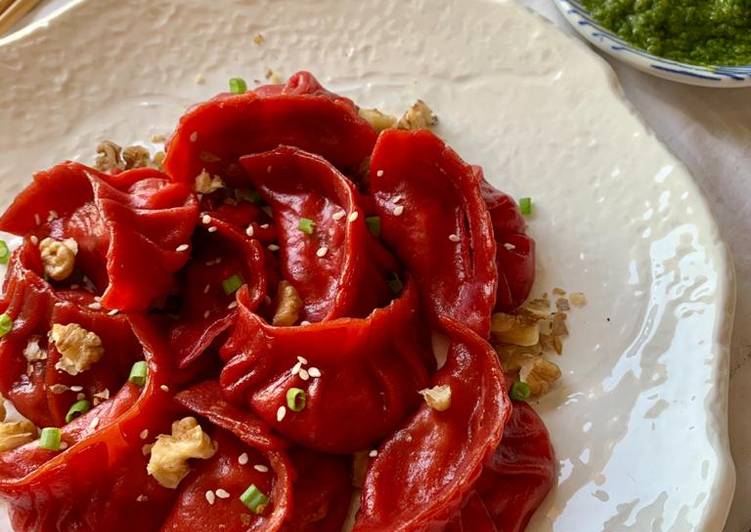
(4, 252)
(394, 283)
(306, 225)
(138, 373)
(50, 439)
(520, 391)
(78, 408)
(6, 324)
(254, 499)
(374, 224)
(238, 86)
(525, 206)
(244, 194)
(232, 283)
(296, 399)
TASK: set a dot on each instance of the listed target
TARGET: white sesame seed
(379, 173)
(304, 322)
(273, 247)
(95, 305)
(222, 494)
(353, 216)
(34, 240)
(164, 388)
(37, 220)
(206, 314)
(301, 359)
(280, 413)
(304, 375)
(206, 219)
(212, 229)
(113, 312)
(321, 252)
(314, 372)
(296, 368)
(509, 246)
(373, 453)
(194, 136)
(181, 248)
(232, 305)
(144, 434)
(76, 388)
(242, 459)
(264, 226)
(64, 445)
(261, 468)
(94, 423)
(142, 498)
(398, 210)
(210, 497)
(249, 230)
(454, 237)
(397, 198)
(206, 289)
(338, 215)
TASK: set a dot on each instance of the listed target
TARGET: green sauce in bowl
(700, 32)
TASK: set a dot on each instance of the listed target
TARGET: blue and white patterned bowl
(715, 76)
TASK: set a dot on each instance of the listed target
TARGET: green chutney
(700, 32)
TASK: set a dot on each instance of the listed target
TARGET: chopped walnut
(561, 304)
(377, 119)
(136, 157)
(258, 39)
(419, 116)
(288, 306)
(206, 184)
(273, 77)
(577, 299)
(158, 160)
(168, 463)
(32, 351)
(539, 374)
(58, 257)
(437, 397)
(108, 157)
(16, 433)
(79, 349)
(514, 330)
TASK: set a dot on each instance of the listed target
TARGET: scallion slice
(296, 399)
(306, 225)
(238, 86)
(4, 252)
(254, 499)
(77, 409)
(232, 284)
(374, 224)
(50, 439)
(138, 373)
(525, 206)
(519, 391)
(6, 324)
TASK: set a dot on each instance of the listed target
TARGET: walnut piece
(419, 116)
(79, 349)
(539, 374)
(437, 397)
(136, 157)
(577, 299)
(16, 433)
(58, 257)
(377, 119)
(288, 306)
(108, 157)
(514, 330)
(168, 463)
(206, 184)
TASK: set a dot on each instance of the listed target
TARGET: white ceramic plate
(639, 419)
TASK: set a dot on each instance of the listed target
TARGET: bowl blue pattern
(714, 76)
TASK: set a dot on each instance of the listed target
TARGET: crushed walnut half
(111, 156)
(525, 339)
(79, 349)
(437, 397)
(418, 116)
(168, 463)
(377, 119)
(58, 257)
(205, 183)
(288, 307)
(16, 433)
